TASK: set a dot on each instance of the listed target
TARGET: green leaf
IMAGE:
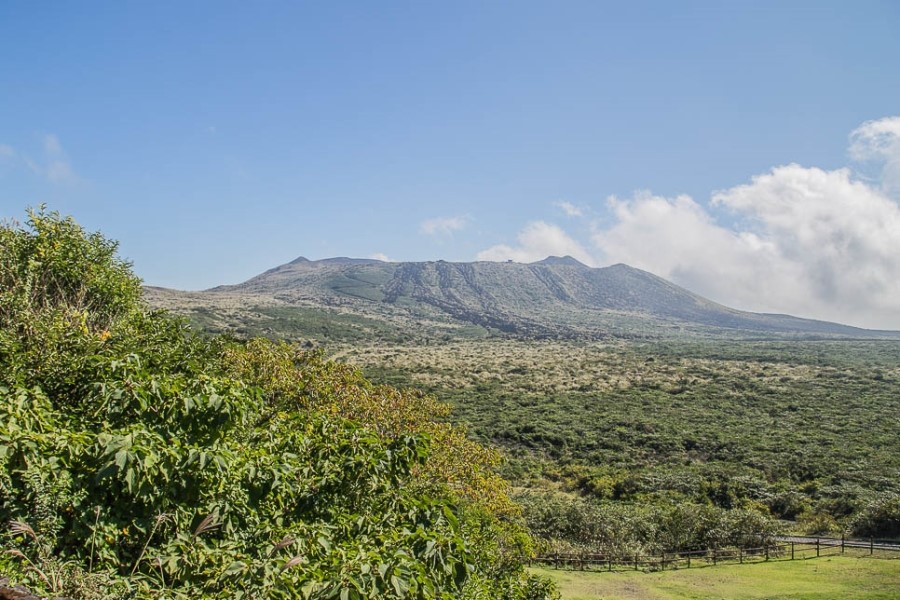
(400, 586)
(121, 459)
(235, 567)
(130, 479)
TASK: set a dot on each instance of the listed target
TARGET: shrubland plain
(802, 433)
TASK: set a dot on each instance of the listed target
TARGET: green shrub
(880, 518)
(572, 523)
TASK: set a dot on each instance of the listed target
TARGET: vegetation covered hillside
(138, 460)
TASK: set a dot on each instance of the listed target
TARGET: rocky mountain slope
(555, 297)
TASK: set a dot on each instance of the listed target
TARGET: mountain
(555, 297)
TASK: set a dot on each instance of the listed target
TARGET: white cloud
(380, 256)
(52, 147)
(57, 168)
(818, 244)
(55, 165)
(442, 225)
(878, 142)
(536, 242)
(59, 171)
(677, 239)
(570, 209)
(842, 235)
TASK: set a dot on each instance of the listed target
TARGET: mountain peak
(345, 260)
(335, 261)
(561, 260)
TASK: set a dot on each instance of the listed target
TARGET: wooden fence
(785, 549)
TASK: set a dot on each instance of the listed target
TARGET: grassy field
(817, 579)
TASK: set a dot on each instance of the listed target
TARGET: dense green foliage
(140, 460)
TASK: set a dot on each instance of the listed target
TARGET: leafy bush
(880, 518)
(570, 523)
(296, 379)
(140, 458)
(818, 523)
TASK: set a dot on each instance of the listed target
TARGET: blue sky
(215, 140)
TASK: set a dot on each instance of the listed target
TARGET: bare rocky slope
(556, 297)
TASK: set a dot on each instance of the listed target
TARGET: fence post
(610, 565)
(741, 555)
(842, 542)
(792, 550)
(635, 562)
(817, 547)
(715, 555)
(689, 560)
(871, 546)
(767, 550)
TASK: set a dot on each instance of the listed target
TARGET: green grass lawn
(817, 579)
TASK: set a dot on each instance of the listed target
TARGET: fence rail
(785, 549)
